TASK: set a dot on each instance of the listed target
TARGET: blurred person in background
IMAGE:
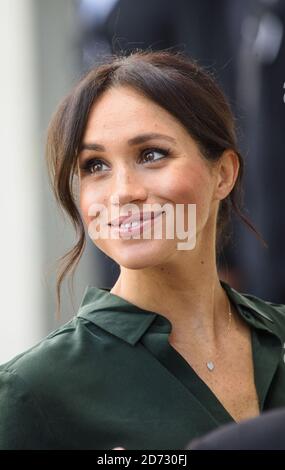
(266, 432)
(170, 352)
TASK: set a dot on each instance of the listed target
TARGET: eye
(152, 151)
(93, 163)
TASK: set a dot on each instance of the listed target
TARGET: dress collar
(129, 322)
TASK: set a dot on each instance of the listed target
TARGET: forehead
(124, 110)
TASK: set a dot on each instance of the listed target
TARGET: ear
(227, 172)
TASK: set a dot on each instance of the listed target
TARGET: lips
(141, 217)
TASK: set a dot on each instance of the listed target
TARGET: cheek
(186, 185)
(189, 185)
(88, 197)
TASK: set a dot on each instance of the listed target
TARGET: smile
(136, 227)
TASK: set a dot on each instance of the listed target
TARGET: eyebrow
(139, 139)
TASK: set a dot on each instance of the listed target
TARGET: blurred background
(45, 48)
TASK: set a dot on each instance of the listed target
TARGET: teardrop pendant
(210, 365)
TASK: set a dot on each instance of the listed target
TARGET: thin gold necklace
(210, 364)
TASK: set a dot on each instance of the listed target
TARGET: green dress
(109, 378)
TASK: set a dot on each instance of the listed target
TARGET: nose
(127, 186)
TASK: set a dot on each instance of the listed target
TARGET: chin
(136, 255)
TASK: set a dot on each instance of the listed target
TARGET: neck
(185, 289)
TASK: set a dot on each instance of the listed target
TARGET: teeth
(130, 224)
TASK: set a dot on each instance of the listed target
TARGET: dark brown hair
(178, 85)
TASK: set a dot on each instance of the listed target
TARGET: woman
(170, 352)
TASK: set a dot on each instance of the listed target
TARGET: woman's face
(163, 170)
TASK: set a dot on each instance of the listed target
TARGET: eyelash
(86, 168)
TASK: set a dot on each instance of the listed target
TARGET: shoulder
(51, 362)
(59, 350)
(38, 360)
(35, 381)
(43, 353)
